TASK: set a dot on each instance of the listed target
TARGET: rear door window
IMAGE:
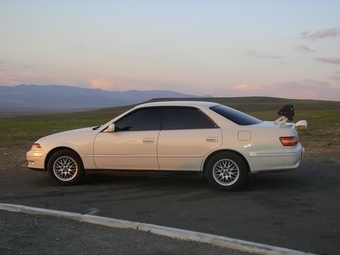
(186, 118)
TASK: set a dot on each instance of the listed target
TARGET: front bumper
(35, 160)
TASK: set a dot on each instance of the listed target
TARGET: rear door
(187, 136)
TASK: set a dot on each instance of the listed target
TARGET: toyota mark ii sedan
(210, 139)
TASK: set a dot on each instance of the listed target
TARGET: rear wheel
(65, 167)
(226, 171)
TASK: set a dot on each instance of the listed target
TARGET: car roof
(179, 103)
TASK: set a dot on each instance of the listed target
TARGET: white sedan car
(206, 138)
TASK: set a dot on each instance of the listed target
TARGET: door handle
(212, 139)
(148, 140)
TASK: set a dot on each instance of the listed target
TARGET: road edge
(185, 235)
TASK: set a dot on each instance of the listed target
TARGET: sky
(221, 48)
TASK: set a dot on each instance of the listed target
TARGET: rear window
(235, 116)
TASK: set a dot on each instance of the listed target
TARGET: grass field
(321, 138)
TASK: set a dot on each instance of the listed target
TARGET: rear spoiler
(287, 113)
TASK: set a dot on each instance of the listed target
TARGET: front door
(133, 144)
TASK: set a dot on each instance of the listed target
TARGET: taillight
(289, 140)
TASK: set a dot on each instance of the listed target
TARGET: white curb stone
(186, 235)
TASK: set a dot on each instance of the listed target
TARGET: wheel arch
(54, 150)
(221, 151)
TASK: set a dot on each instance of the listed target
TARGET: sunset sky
(224, 48)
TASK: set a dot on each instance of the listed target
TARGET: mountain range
(43, 98)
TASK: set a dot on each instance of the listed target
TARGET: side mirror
(110, 128)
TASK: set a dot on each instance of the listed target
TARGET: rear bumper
(276, 161)
(292, 157)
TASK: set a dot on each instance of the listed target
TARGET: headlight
(36, 146)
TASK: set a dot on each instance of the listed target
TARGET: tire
(226, 171)
(65, 167)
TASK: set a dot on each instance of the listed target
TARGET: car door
(186, 138)
(133, 144)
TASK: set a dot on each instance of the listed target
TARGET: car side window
(186, 118)
(148, 118)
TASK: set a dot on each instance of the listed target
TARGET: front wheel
(226, 171)
(65, 167)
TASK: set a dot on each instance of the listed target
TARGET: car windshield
(235, 116)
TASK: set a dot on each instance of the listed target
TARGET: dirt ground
(321, 151)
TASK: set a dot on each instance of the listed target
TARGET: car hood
(71, 132)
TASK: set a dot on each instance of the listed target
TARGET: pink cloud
(102, 83)
(329, 32)
(10, 78)
(308, 89)
(241, 87)
(304, 89)
(242, 90)
(119, 84)
(315, 84)
(331, 60)
(124, 84)
(302, 48)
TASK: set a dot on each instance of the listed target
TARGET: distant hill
(263, 103)
(40, 98)
(27, 99)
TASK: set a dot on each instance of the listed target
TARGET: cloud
(329, 32)
(119, 84)
(123, 84)
(302, 48)
(259, 54)
(331, 60)
(241, 87)
(315, 84)
(246, 90)
(309, 89)
(302, 89)
(27, 77)
(304, 33)
(102, 83)
(27, 66)
(335, 77)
